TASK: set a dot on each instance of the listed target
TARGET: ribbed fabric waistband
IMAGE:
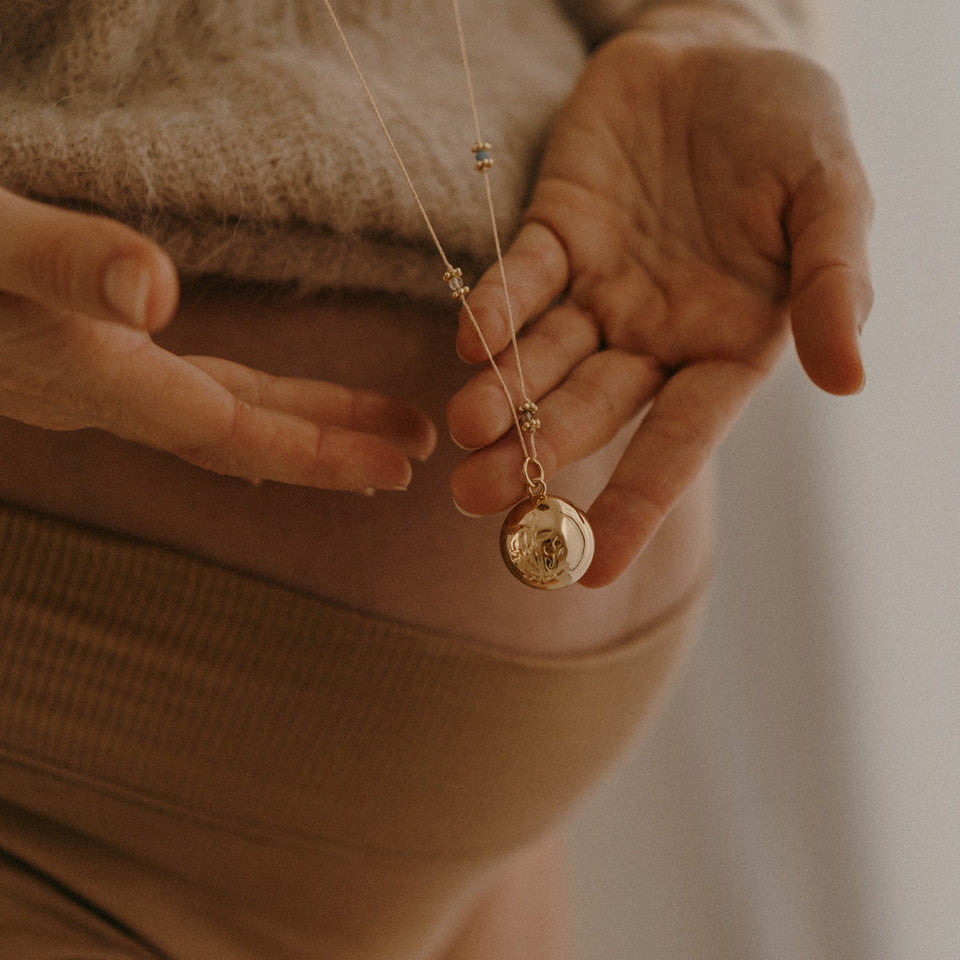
(182, 684)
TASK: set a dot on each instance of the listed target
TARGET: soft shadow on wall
(799, 795)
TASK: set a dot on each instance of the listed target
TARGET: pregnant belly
(409, 556)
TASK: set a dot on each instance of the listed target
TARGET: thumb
(84, 264)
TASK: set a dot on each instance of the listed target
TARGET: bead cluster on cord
(453, 276)
(529, 420)
(481, 157)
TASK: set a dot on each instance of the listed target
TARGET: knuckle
(361, 408)
(52, 268)
(597, 394)
(221, 454)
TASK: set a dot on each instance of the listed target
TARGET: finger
(536, 269)
(140, 392)
(84, 264)
(690, 417)
(549, 350)
(327, 403)
(601, 396)
(831, 293)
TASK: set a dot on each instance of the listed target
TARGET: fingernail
(430, 444)
(472, 516)
(462, 446)
(460, 352)
(126, 286)
(366, 492)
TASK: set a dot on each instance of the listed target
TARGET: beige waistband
(177, 683)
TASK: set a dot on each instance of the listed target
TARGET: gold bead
(529, 420)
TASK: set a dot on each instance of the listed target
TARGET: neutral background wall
(799, 795)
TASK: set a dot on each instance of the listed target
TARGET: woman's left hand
(696, 204)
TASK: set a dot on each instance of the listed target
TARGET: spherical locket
(546, 542)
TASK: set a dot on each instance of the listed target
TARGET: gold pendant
(546, 542)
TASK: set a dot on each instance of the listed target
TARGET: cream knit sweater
(235, 133)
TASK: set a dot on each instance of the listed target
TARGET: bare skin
(700, 202)
(696, 205)
(405, 555)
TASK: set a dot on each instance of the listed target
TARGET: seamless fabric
(226, 768)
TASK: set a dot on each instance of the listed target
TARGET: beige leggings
(200, 765)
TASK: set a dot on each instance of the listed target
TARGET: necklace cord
(386, 133)
(461, 39)
(525, 430)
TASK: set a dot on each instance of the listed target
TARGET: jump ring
(536, 485)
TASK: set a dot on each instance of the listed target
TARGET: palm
(673, 220)
(678, 225)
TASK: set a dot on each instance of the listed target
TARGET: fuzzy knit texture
(235, 133)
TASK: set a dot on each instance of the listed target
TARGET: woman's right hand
(80, 297)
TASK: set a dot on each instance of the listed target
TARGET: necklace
(546, 542)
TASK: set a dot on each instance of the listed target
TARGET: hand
(695, 205)
(79, 298)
